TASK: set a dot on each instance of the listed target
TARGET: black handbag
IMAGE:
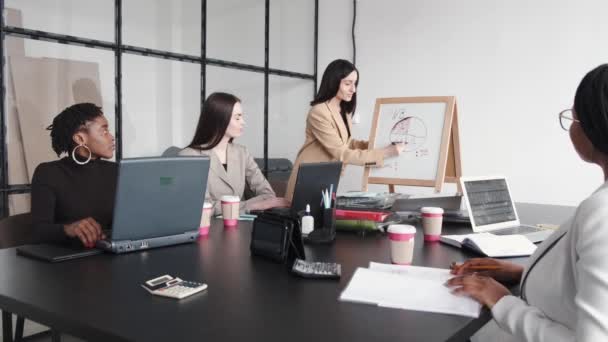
(277, 237)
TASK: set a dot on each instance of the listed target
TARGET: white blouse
(564, 286)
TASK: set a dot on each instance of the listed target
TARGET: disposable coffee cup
(230, 210)
(432, 220)
(401, 237)
(203, 229)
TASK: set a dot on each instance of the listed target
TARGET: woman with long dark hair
(564, 287)
(73, 198)
(329, 125)
(232, 168)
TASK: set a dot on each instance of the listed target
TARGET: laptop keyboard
(516, 230)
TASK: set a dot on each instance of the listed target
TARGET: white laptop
(491, 208)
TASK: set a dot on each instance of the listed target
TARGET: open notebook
(494, 246)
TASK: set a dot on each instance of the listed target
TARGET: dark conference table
(99, 298)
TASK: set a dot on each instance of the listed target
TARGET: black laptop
(56, 253)
(312, 179)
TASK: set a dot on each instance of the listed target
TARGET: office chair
(172, 151)
(17, 230)
(279, 170)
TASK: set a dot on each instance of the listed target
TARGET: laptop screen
(311, 180)
(490, 201)
(157, 197)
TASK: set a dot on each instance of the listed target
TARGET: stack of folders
(357, 220)
(409, 288)
(367, 200)
(494, 246)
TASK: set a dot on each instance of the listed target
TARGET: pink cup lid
(230, 199)
(431, 210)
(401, 229)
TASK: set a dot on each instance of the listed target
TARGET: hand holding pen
(502, 271)
(393, 150)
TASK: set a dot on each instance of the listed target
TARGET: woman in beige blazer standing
(232, 168)
(329, 125)
(564, 287)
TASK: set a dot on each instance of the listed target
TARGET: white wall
(335, 20)
(513, 65)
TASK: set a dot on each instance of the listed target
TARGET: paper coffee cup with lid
(432, 220)
(401, 237)
(203, 229)
(230, 210)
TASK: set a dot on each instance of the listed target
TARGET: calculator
(168, 286)
(317, 270)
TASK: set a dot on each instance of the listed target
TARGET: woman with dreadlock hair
(73, 197)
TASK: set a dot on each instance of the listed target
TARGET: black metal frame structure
(119, 49)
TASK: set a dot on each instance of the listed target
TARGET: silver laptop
(491, 208)
(413, 204)
(158, 203)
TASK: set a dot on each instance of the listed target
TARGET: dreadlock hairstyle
(69, 121)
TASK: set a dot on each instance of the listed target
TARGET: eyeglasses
(566, 118)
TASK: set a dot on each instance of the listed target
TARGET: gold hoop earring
(74, 155)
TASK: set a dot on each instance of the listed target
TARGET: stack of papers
(494, 246)
(407, 287)
(365, 200)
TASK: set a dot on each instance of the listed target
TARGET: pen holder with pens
(329, 219)
(326, 233)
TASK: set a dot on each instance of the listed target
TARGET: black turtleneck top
(64, 192)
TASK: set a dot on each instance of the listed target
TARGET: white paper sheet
(497, 246)
(407, 287)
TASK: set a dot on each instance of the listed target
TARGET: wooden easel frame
(449, 167)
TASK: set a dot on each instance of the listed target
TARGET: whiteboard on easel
(419, 127)
(424, 125)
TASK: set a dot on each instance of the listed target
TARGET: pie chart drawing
(410, 131)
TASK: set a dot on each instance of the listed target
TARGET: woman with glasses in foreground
(564, 287)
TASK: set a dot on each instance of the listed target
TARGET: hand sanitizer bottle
(308, 222)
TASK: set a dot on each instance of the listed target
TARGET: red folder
(376, 216)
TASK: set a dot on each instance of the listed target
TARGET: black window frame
(119, 49)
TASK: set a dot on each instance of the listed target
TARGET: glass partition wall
(150, 64)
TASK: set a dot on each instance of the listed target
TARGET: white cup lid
(401, 229)
(207, 205)
(230, 198)
(431, 210)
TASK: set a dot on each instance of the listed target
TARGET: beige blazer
(327, 140)
(565, 285)
(242, 172)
